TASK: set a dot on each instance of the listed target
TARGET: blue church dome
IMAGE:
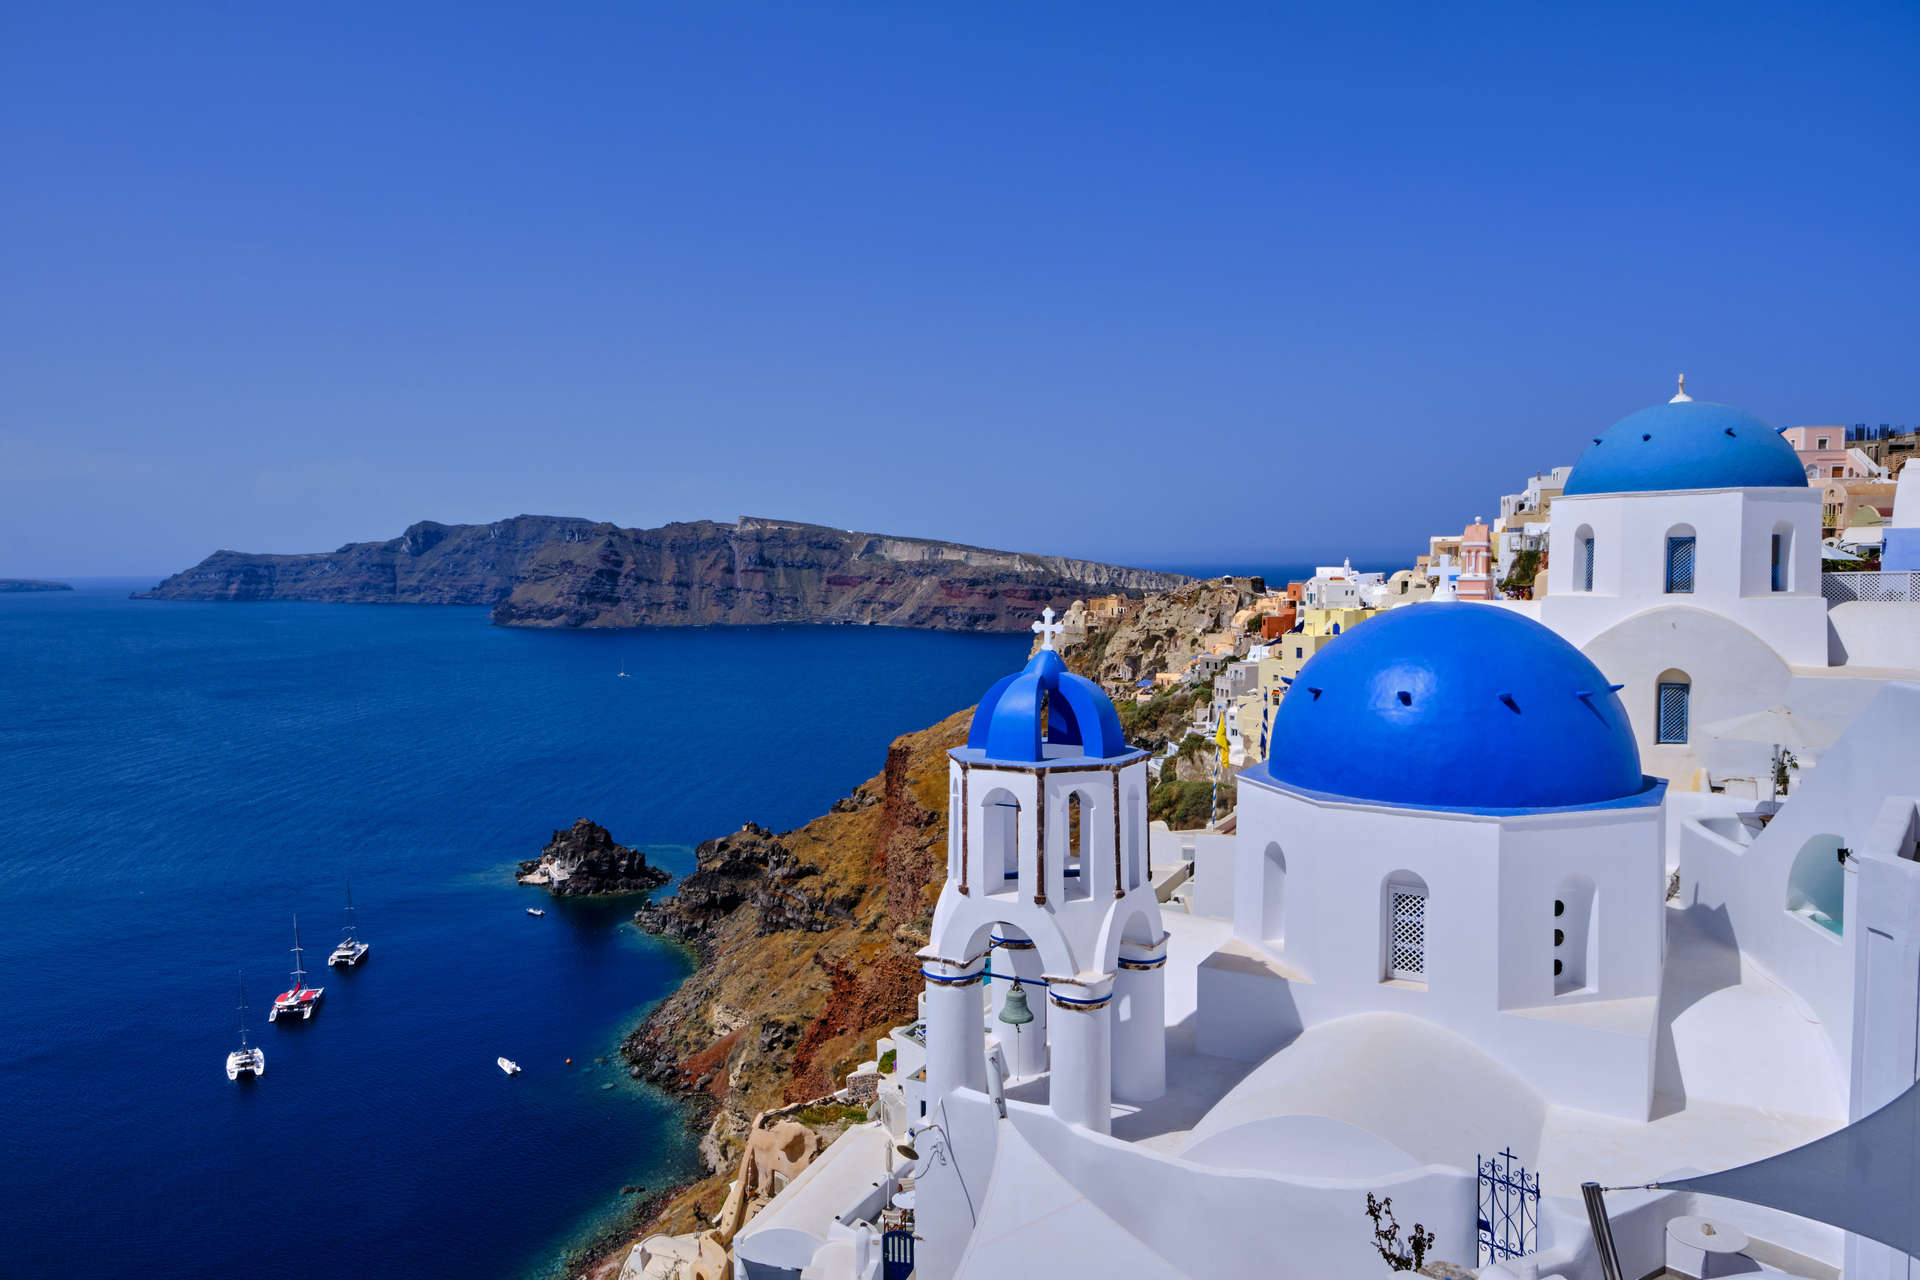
(1455, 706)
(1686, 444)
(1079, 718)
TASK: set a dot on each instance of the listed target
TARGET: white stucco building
(1686, 565)
(1476, 905)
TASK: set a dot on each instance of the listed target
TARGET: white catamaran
(248, 1060)
(299, 998)
(351, 950)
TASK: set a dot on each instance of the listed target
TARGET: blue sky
(1163, 284)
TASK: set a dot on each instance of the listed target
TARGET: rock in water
(585, 859)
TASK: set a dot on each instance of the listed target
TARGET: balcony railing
(1839, 588)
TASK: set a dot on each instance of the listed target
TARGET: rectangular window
(1407, 943)
(1672, 728)
(1680, 565)
(1823, 442)
(1779, 565)
(1586, 564)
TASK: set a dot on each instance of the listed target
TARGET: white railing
(1839, 588)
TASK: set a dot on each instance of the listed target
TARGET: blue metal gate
(896, 1252)
(1509, 1209)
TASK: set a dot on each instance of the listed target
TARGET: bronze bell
(1015, 1012)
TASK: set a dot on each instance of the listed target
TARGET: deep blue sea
(176, 780)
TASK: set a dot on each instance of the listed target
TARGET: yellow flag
(1220, 736)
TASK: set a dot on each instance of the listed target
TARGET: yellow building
(1286, 654)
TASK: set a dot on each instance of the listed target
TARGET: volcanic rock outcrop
(585, 859)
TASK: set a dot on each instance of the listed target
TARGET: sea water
(177, 780)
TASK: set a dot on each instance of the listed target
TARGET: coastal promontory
(555, 571)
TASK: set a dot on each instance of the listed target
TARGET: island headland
(9, 586)
(566, 572)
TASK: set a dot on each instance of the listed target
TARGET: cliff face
(428, 564)
(807, 942)
(556, 572)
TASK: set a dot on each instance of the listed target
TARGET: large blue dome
(1045, 706)
(1455, 706)
(1686, 444)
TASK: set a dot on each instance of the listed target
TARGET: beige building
(1286, 655)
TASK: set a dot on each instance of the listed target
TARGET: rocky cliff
(806, 940)
(585, 859)
(549, 571)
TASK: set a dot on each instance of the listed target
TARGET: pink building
(1476, 562)
(1824, 452)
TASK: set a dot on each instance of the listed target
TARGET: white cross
(1047, 628)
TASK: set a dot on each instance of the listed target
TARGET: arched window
(1403, 927)
(1680, 545)
(1673, 693)
(1816, 891)
(1273, 894)
(1000, 829)
(1782, 557)
(1576, 936)
(1583, 558)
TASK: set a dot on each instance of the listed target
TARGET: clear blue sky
(1163, 284)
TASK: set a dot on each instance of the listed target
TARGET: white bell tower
(1048, 885)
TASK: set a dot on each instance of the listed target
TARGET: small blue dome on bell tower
(1046, 712)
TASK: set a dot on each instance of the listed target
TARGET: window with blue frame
(1782, 560)
(1680, 564)
(1672, 726)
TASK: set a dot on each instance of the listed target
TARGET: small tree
(1781, 763)
(1386, 1237)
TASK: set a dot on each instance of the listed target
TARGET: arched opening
(1816, 889)
(1583, 558)
(956, 852)
(1136, 847)
(1680, 556)
(1076, 871)
(1673, 697)
(1000, 828)
(1273, 895)
(1576, 936)
(1403, 928)
(1781, 551)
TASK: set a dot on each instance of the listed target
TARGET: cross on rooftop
(1047, 628)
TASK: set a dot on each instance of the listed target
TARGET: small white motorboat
(509, 1066)
(248, 1060)
(535, 911)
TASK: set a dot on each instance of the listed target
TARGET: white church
(1486, 917)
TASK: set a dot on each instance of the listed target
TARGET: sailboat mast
(351, 933)
(299, 974)
(243, 1010)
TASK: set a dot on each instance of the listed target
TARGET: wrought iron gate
(896, 1252)
(1509, 1209)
